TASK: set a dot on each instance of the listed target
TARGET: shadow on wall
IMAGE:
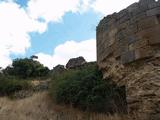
(118, 104)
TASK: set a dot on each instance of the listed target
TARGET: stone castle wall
(128, 50)
(130, 34)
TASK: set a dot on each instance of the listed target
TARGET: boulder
(59, 69)
(75, 62)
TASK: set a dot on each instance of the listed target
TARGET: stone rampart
(131, 34)
(128, 50)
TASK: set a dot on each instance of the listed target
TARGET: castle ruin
(128, 51)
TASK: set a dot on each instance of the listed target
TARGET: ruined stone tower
(128, 50)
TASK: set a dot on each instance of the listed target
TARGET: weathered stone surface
(75, 62)
(143, 87)
(143, 52)
(140, 43)
(128, 57)
(148, 22)
(153, 11)
(132, 28)
(128, 52)
(154, 35)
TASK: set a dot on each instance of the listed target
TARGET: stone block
(152, 35)
(106, 28)
(129, 32)
(132, 28)
(108, 51)
(146, 23)
(155, 39)
(153, 5)
(123, 25)
(111, 37)
(112, 21)
(117, 53)
(124, 19)
(144, 52)
(105, 35)
(121, 35)
(141, 43)
(133, 8)
(144, 4)
(154, 11)
(100, 44)
(117, 49)
(147, 33)
(131, 47)
(128, 57)
(111, 41)
(124, 49)
(158, 18)
(122, 13)
(138, 17)
(131, 39)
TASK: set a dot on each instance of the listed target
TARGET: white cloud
(69, 49)
(15, 25)
(17, 22)
(4, 58)
(107, 7)
(53, 10)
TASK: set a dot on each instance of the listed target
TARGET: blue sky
(23, 3)
(54, 30)
(76, 27)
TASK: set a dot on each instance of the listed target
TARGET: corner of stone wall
(128, 52)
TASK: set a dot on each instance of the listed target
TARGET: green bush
(85, 89)
(9, 85)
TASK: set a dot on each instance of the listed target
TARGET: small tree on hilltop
(25, 68)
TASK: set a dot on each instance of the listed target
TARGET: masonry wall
(130, 34)
(128, 52)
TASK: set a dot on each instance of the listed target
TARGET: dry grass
(40, 107)
(37, 107)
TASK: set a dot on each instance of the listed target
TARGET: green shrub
(9, 85)
(85, 89)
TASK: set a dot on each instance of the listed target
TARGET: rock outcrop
(128, 51)
(58, 69)
(75, 62)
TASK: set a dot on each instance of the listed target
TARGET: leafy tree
(25, 68)
(34, 57)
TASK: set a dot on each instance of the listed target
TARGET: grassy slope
(40, 107)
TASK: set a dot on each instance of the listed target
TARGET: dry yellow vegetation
(40, 107)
